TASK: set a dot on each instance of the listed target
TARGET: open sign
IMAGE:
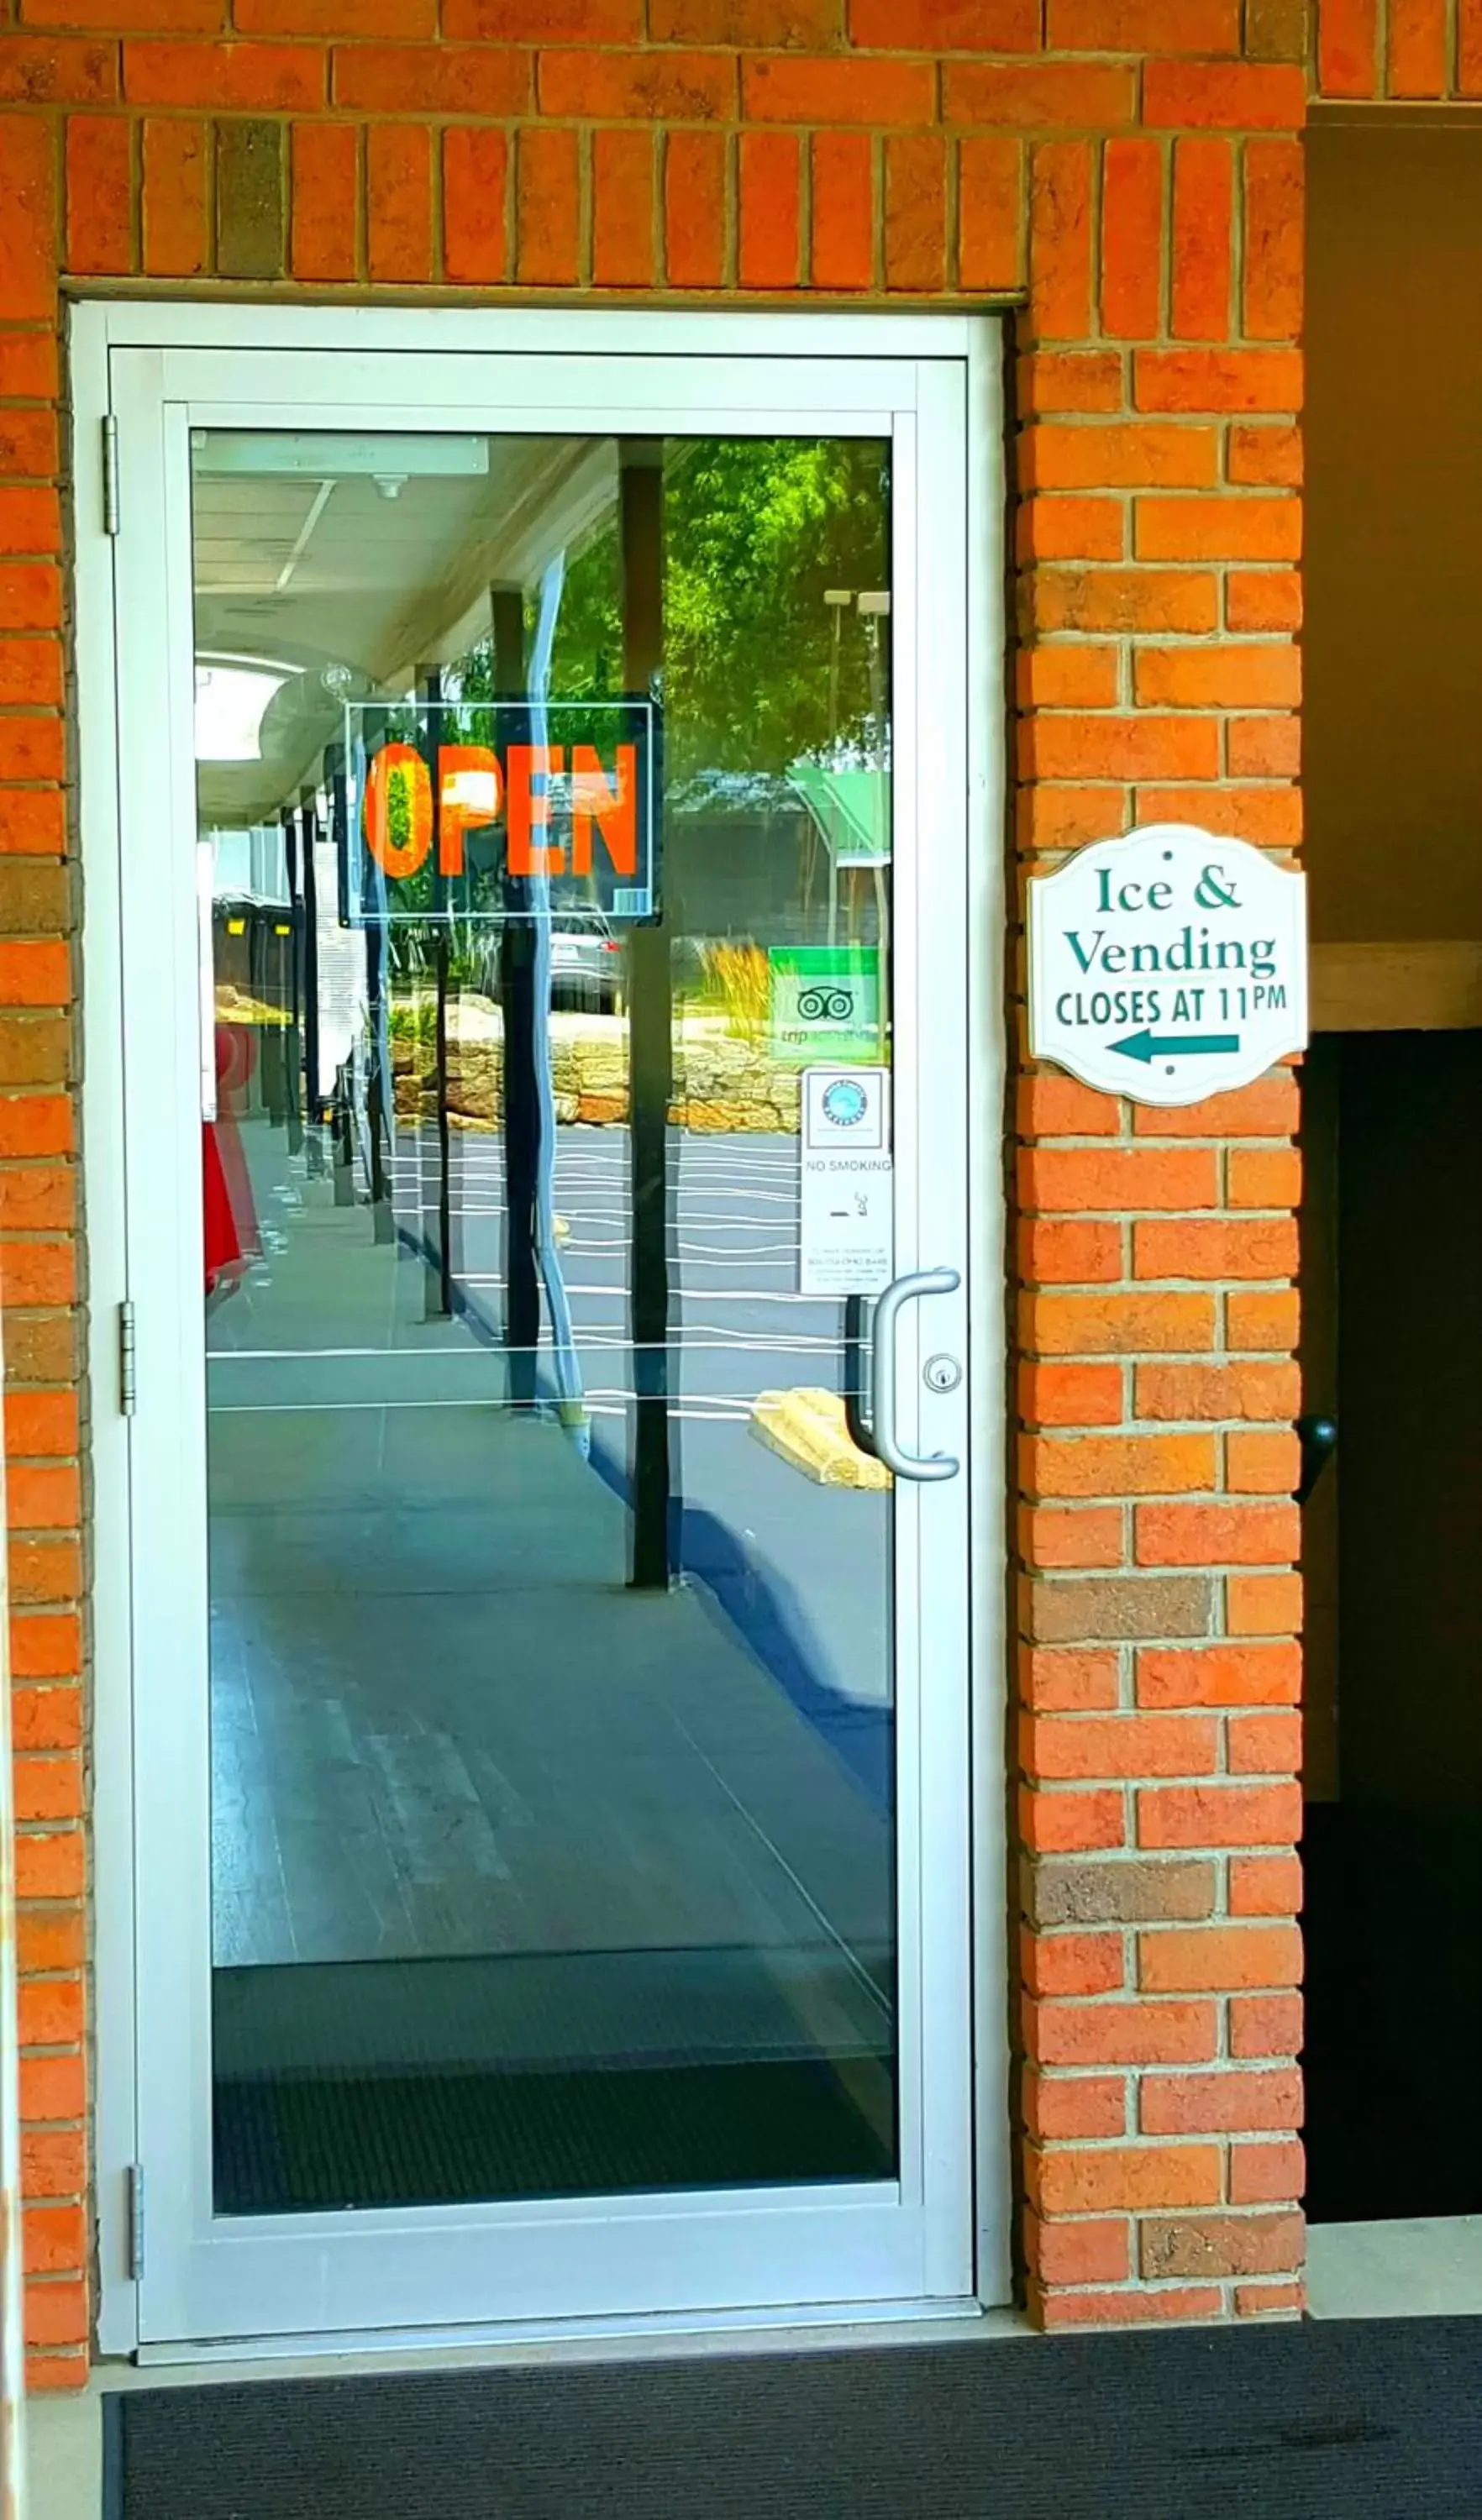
(495, 810)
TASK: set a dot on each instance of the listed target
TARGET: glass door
(555, 1745)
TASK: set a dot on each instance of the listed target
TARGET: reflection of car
(586, 967)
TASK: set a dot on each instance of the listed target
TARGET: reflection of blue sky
(230, 702)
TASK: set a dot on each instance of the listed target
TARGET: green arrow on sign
(1148, 1046)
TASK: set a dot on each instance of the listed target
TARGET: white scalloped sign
(1169, 964)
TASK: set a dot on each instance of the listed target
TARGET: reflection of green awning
(851, 809)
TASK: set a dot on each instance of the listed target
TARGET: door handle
(883, 1436)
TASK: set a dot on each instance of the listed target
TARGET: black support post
(519, 1095)
(651, 1057)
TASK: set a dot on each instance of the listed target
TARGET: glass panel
(551, 1666)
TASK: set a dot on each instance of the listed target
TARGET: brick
(252, 228)
(1205, 1535)
(48, 1787)
(1264, 1745)
(48, 1647)
(413, 18)
(41, 1347)
(1107, 1465)
(1168, 26)
(1267, 2174)
(1124, 2178)
(1265, 598)
(53, 2089)
(30, 747)
(1097, 1608)
(1124, 599)
(41, 1570)
(47, 1718)
(1057, 2107)
(1268, 1108)
(1132, 232)
(844, 211)
(1198, 1816)
(1246, 528)
(1415, 48)
(1202, 250)
(1263, 1605)
(1264, 2025)
(1082, 1179)
(34, 1050)
(991, 211)
(1060, 240)
(240, 78)
(1270, 2301)
(1057, 1250)
(695, 209)
(45, 71)
(1210, 1391)
(1059, 1681)
(44, 1500)
(1048, 1104)
(325, 189)
(946, 26)
(35, 895)
(1267, 816)
(1220, 1674)
(99, 193)
(1215, 1247)
(916, 212)
(28, 360)
(622, 208)
(1119, 1893)
(54, 2164)
(27, 444)
(1146, 2032)
(37, 1125)
(1264, 747)
(50, 1865)
(1055, 381)
(1062, 817)
(837, 92)
(28, 235)
(34, 972)
(1056, 528)
(1117, 454)
(161, 17)
(546, 22)
(1217, 381)
(787, 25)
(1145, 746)
(1177, 2304)
(1117, 1324)
(55, 2313)
(39, 1423)
(1072, 1963)
(1348, 48)
(769, 248)
(37, 1198)
(1272, 264)
(30, 669)
(1040, 95)
(1213, 1960)
(1233, 96)
(446, 78)
(1071, 1395)
(1263, 1460)
(1266, 459)
(1266, 1885)
(548, 207)
(1066, 1824)
(1084, 2251)
(176, 230)
(1269, 1317)
(1258, 675)
(1224, 2102)
(50, 1937)
(1469, 48)
(1225, 2244)
(1086, 1748)
(1049, 1537)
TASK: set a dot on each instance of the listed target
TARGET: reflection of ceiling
(329, 573)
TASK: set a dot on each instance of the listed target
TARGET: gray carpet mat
(1370, 2420)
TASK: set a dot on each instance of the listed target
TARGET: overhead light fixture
(324, 455)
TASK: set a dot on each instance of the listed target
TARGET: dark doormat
(1363, 2420)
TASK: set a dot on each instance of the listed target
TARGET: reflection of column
(292, 1055)
(650, 1054)
(519, 1095)
(380, 1090)
(308, 828)
(437, 1287)
(877, 609)
(342, 1110)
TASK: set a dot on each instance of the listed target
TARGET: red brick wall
(1128, 172)
(1413, 49)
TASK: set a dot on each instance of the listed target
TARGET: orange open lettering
(614, 812)
(398, 776)
(469, 795)
(530, 808)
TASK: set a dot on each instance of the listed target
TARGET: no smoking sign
(1169, 964)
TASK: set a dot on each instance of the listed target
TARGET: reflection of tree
(755, 531)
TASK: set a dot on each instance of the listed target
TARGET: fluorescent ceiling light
(325, 455)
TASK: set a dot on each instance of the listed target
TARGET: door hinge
(110, 473)
(128, 1383)
(136, 2219)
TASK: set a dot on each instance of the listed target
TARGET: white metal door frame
(922, 379)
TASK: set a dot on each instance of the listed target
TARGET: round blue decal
(845, 1102)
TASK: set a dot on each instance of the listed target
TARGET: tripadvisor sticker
(1169, 964)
